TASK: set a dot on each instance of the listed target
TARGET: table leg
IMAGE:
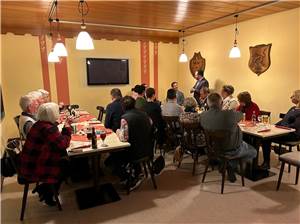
(96, 161)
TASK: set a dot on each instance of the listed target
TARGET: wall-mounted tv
(107, 71)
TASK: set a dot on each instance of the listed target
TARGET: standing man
(179, 94)
(201, 82)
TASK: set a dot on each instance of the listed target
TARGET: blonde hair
(48, 112)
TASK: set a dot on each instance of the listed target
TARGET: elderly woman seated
(229, 102)
(290, 120)
(29, 105)
(43, 156)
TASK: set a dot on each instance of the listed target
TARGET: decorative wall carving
(260, 60)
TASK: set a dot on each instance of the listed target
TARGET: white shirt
(230, 103)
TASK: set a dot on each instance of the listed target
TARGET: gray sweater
(227, 120)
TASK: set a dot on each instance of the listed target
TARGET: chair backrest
(13, 150)
(192, 133)
(101, 112)
(172, 123)
(16, 119)
(267, 113)
(281, 115)
(216, 140)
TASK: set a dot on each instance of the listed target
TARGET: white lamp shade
(235, 52)
(52, 57)
(60, 50)
(84, 41)
(183, 57)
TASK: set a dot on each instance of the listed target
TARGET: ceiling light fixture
(84, 40)
(183, 57)
(52, 57)
(235, 51)
(59, 48)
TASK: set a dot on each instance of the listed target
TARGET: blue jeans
(246, 152)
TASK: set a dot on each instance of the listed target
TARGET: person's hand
(69, 121)
(192, 90)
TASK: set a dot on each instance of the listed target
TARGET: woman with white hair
(27, 117)
(290, 120)
(42, 157)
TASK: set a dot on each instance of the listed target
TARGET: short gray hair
(48, 112)
(25, 102)
(214, 100)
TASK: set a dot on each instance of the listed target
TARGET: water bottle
(253, 118)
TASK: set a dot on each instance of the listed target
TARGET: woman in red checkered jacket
(42, 157)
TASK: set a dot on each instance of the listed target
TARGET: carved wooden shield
(197, 63)
(260, 60)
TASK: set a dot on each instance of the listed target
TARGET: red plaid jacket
(42, 152)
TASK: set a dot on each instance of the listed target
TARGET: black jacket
(114, 111)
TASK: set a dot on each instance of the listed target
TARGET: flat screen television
(107, 71)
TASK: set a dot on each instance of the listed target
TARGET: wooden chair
(291, 158)
(289, 144)
(191, 140)
(101, 112)
(22, 138)
(147, 164)
(11, 150)
(215, 140)
(173, 132)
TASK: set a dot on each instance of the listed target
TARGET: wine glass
(103, 136)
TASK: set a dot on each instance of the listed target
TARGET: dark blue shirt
(114, 111)
(292, 120)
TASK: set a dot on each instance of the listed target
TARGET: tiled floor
(180, 198)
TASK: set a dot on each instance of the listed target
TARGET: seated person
(41, 159)
(179, 94)
(138, 93)
(135, 128)
(217, 119)
(247, 106)
(204, 91)
(190, 115)
(114, 110)
(27, 117)
(153, 110)
(45, 98)
(291, 120)
(229, 102)
(171, 108)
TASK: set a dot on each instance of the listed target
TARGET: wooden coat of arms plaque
(196, 63)
(260, 60)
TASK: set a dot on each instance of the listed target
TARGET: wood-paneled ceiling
(32, 17)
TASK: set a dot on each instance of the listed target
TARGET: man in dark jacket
(114, 110)
(201, 82)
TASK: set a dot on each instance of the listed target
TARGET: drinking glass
(103, 136)
(265, 119)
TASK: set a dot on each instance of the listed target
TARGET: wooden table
(96, 194)
(256, 134)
